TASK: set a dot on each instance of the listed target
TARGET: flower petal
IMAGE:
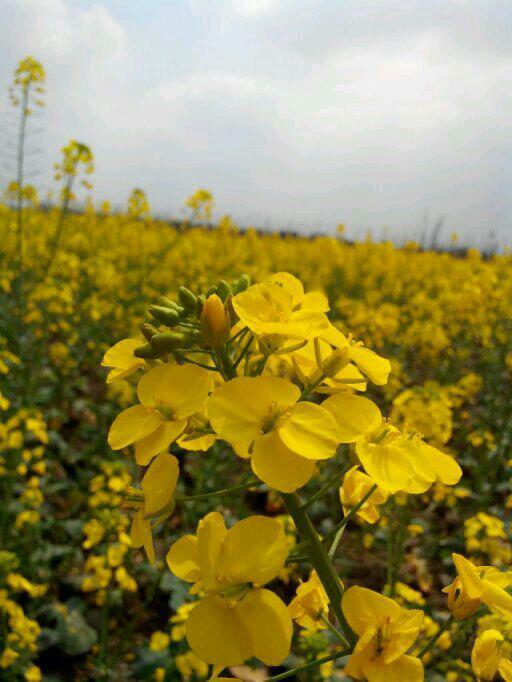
(387, 465)
(158, 441)
(211, 532)
(131, 425)
(159, 483)
(278, 466)
(377, 369)
(310, 431)
(141, 536)
(364, 608)
(217, 634)
(254, 551)
(183, 559)
(270, 625)
(183, 389)
(355, 415)
(404, 668)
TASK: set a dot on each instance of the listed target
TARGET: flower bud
(242, 284)
(201, 300)
(187, 299)
(168, 303)
(215, 322)
(166, 316)
(165, 342)
(336, 361)
(223, 289)
(146, 351)
(148, 331)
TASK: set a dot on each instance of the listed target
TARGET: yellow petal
(496, 599)
(159, 483)
(158, 441)
(141, 536)
(485, 656)
(310, 431)
(363, 608)
(211, 532)
(121, 358)
(197, 442)
(354, 415)
(468, 575)
(290, 284)
(315, 301)
(278, 466)
(270, 625)
(505, 669)
(387, 465)
(254, 551)
(181, 389)
(183, 559)
(404, 668)
(446, 468)
(131, 425)
(217, 634)
(377, 369)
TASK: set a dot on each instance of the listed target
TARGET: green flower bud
(168, 303)
(148, 330)
(147, 352)
(223, 289)
(166, 316)
(187, 299)
(201, 300)
(242, 284)
(165, 342)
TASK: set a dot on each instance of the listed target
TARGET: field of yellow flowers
(320, 483)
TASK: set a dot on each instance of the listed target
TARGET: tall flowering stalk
(263, 369)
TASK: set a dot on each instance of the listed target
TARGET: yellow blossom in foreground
(356, 484)
(159, 641)
(386, 632)
(486, 659)
(121, 359)
(262, 418)
(237, 619)
(475, 585)
(169, 395)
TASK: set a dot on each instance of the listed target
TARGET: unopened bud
(187, 299)
(148, 330)
(201, 300)
(166, 316)
(215, 322)
(168, 303)
(165, 342)
(242, 284)
(223, 289)
(147, 352)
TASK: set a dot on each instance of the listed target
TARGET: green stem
(335, 632)
(341, 525)
(326, 487)
(243, 352)
(445, 626)
(319, 560)
(308, 666)
(217, 493)
(309, 389)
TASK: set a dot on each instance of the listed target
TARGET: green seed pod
(165, 342)
(223, 289)
(242, 284)
(166, 316)
(147, 352)
(187, 299)
(148, 330)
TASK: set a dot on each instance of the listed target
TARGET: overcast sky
(382, 114)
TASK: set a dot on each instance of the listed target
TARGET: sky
(387, 115)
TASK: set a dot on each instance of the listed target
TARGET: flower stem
(337, 530)
(445, 626)
(335, 632)
(216, 493)
(319, 560)
(327, 486)
(308, 666)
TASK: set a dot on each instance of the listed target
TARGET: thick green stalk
(319, 560)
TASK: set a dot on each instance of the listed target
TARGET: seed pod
(187, 299)
(166, 316)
